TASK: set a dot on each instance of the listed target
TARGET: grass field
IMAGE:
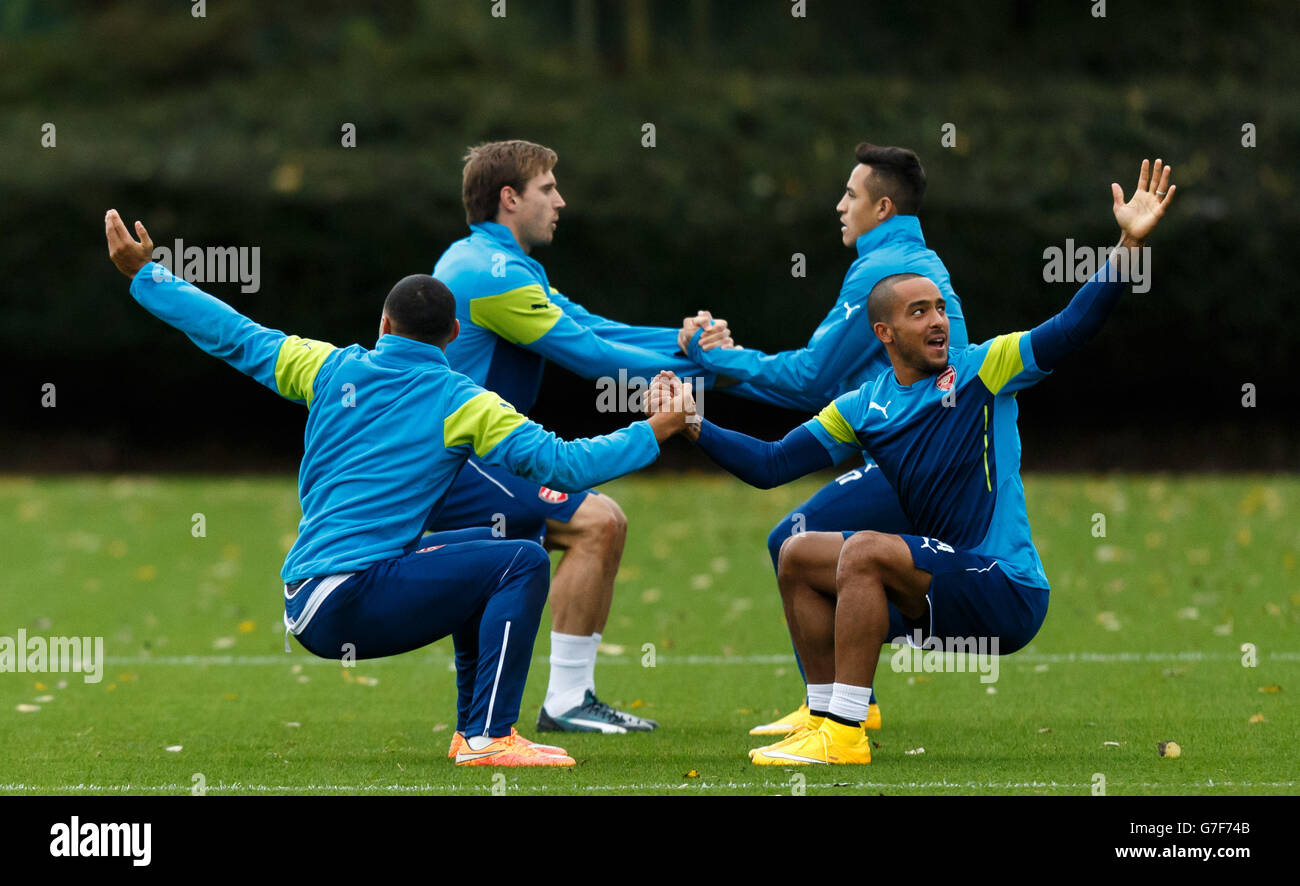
(1143, 643)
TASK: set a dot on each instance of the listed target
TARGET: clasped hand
(672, 397)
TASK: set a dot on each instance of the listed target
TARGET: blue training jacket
(843, 353)
(387, 429)
(512, 321)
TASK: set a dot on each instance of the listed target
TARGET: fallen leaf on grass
(694, 773)
(1257, 718)
(1169, 749)
(173, 749)
(1274, 689)
(1110, 744)
(1045, 729)
(27, 708)
(915, 752)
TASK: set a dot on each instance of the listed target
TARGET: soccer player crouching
(387, 431)
(942, 428)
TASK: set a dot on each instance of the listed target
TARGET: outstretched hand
(127, 254)
(1139, 216)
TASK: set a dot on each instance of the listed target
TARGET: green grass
(1190, 569)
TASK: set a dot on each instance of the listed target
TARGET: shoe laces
(598, 707)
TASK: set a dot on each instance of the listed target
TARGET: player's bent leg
(872, 570)
(408, 602)
(806, 577)
(973, 603)
(859, 499)
(592, 539)
(590, 529)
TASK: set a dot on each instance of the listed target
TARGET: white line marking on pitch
(703, 660)
(780, 786)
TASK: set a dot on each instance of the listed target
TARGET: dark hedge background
(225, 130)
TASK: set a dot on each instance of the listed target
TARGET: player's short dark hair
(421, 307)
(491, 166)
(896, 173)
(880, 303)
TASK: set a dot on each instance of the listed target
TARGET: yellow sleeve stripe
(296, 367)
(1002, 362)
(520, 316)
(839, 429)
(483, 421)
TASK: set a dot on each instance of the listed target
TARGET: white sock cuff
(850, 702)
(819, 696)
(571, 649)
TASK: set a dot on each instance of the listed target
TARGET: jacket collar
(499, 234)
(399, 349)
(900, 227)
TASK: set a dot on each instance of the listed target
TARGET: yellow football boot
(810, 724)
(832, 743)
(786, 724)
(800, 717)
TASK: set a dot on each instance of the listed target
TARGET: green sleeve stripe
(296, 367)
(484, 420)
(1002, 362)
(520, 316)
(839, 429)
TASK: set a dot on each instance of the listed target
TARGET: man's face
(858, 212)
(919, 326)
(538, 210)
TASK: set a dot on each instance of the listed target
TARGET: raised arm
(287, 364)
(1084, 316)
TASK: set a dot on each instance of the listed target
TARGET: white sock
(478, 742)
(850, 702)
(819, 696)
(573, 657)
